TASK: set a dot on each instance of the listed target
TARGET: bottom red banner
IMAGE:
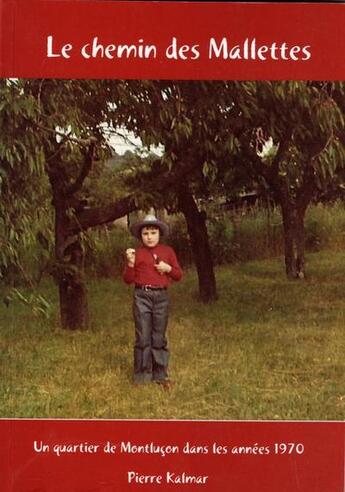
(108, 456)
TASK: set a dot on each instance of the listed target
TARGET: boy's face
(150, 236)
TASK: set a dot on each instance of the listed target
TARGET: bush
(179, 240)
(223, 243)
(325, 227)
(244, 235)
(105, 251)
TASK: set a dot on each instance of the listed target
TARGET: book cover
(226, 120)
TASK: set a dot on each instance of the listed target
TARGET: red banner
(170, 40)
(108, 456)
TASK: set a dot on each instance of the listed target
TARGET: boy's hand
(163, 267)
(130, 255)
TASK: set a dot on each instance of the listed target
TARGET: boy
(151, 268)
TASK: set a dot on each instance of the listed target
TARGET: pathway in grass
(269, 348)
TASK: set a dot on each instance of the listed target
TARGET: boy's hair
(150, 227)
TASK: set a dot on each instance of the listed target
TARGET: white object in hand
(130, 254)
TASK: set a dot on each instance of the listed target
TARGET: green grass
(269, 348)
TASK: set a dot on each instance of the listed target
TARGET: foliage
(105, 248)
(325, 227)
(179, 240)
(307, 114)
(211, 134)
(36, 302)
(247, 234)
(67, 123)
(21, 165)
(195, 122)
(306, 125)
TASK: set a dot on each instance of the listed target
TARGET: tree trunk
(294, 240)
(289, 239)
(197, 230)
(300, 244)
(303, 198)
(74, 309)
(68, 271)
(69, 274)
(293, 203)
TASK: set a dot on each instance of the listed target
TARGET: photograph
(172, 249)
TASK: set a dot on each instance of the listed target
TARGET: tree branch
(91, 217)
(86, 168)
(80, 141)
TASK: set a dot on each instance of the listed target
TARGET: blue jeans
(151, 354)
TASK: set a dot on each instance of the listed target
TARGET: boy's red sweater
(144, 272)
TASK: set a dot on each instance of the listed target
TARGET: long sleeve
(176, 272)
(144, 271)
(128, 274)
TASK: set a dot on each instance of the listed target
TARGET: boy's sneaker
(166, 384)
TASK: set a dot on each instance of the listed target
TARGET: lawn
(269, 348)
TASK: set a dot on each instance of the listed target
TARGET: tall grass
(244, 235)
(255, 233)
(248, 234)
(269, 348)
(325, 227)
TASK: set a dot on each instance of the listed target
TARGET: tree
(306, 125)
(192, 121)
(64, 124)
(54, 131)
(21, 164)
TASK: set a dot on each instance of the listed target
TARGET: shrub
(224, 243)
(179, 240)
(105, 248)
(243, 235)
(246, 234)
(325, 226)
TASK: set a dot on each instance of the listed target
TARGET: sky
(124, 141)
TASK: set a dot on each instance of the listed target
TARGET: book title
(216, 48)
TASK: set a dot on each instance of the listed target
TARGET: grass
(269, 348)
